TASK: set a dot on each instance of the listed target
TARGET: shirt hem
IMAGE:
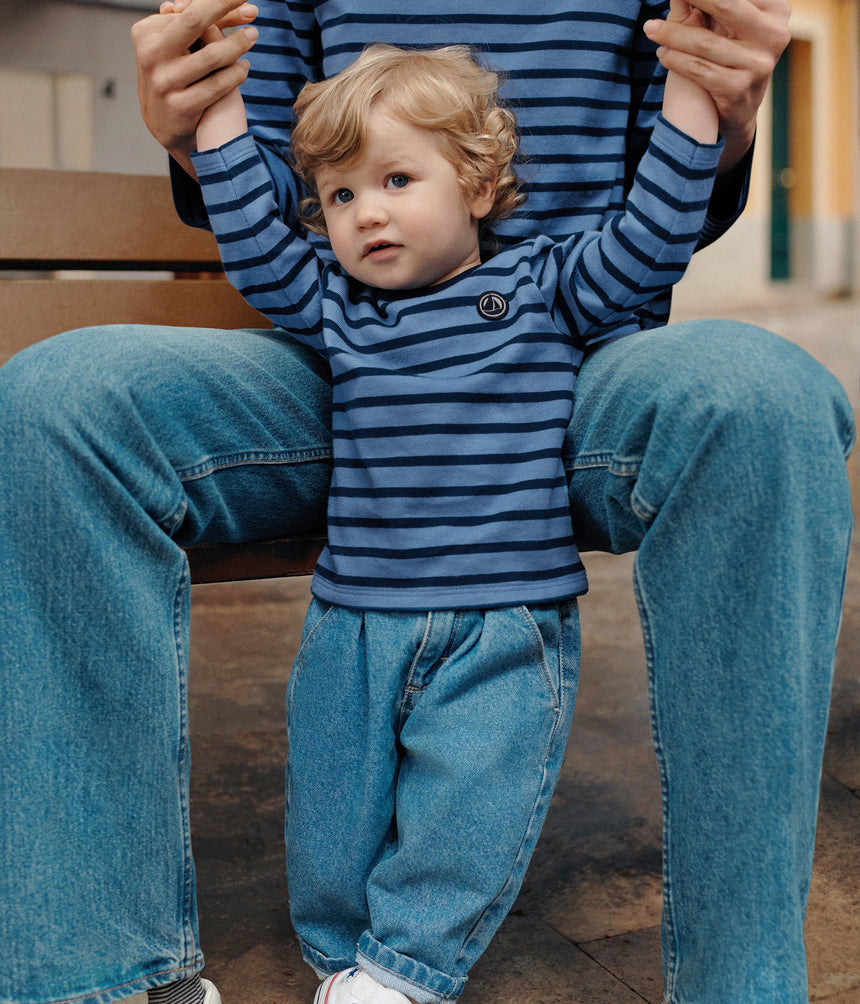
(450, 597)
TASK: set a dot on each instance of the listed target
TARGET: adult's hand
(185, 63)
(732, 56)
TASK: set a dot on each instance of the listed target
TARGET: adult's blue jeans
(424, 749)
(715, 449)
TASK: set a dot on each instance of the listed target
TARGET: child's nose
(370, 212)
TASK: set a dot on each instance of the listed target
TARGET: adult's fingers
(234, 19)
(177, 80)
(757, 22)
(732, 56)
(739, 33)
(191, 21)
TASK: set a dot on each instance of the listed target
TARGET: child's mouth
(381, 251)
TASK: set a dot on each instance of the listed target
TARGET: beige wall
(67, 89)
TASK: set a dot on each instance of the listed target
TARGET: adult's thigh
(217, 434)
(647, 404)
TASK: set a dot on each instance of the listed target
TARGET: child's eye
(342, 196)
(398, 181)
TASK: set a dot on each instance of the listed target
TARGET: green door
(782, 176)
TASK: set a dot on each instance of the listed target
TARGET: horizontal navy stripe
(447, 491)
(451, 429)
(452, 550)
(440, 522)
(435, 581)
(481, 20)
(454, 397)
(445, 460)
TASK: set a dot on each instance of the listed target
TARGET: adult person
(715, 450)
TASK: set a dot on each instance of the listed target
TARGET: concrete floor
(586, 926)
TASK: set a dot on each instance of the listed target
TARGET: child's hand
(686, 104)
(185, 63)
(731, 52)
(221, 122)
(686, 13)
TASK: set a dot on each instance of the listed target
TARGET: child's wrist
(221, 124)
(690, 108)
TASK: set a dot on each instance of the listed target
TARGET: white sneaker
(355, 986)
(212, 995)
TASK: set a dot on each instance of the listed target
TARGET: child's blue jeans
(715, 449)
(424, 748)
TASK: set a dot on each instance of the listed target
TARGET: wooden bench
(58, 229)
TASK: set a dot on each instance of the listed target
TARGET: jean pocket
(555, 629)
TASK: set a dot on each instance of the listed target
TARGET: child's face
(397, 216)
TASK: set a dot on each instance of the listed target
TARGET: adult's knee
(55, 384)
(705, 410)
(762, 426)
(762, 391)
(735, 384)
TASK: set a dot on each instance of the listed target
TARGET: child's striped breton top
(451, 403)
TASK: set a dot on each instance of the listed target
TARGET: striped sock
(188, 991)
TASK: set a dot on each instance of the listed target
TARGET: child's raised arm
(221, 122)
(225, 119)
(685, 104)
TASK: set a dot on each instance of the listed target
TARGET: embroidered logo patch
(492, 306)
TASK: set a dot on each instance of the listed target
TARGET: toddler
(431, 698)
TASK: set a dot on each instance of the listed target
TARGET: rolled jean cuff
(417, 981)
(321, 964)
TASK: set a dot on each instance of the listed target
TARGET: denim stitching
(540, 796)
(185, 972)
(440, 996)
(211, 465)
(327, 611)
(170, 522)
(622, 467)
(671, 961)
(410, 690)
(179, 602)
(538, 637)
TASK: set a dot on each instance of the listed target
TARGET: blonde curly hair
(443, 90)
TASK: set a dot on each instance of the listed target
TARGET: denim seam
(452, 637)
(538, 638)
(622, 467)
(322, 963)
(410, 690)
(326, 614)
(518, 858)
(249, 459)
(540, 796)
(183, 761)
(190, 970)
(170, 522)
(439, 996)
(668, 919)
(292, 683)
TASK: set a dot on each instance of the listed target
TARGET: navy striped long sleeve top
(451, 404)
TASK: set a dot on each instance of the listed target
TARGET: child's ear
(481, 201)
